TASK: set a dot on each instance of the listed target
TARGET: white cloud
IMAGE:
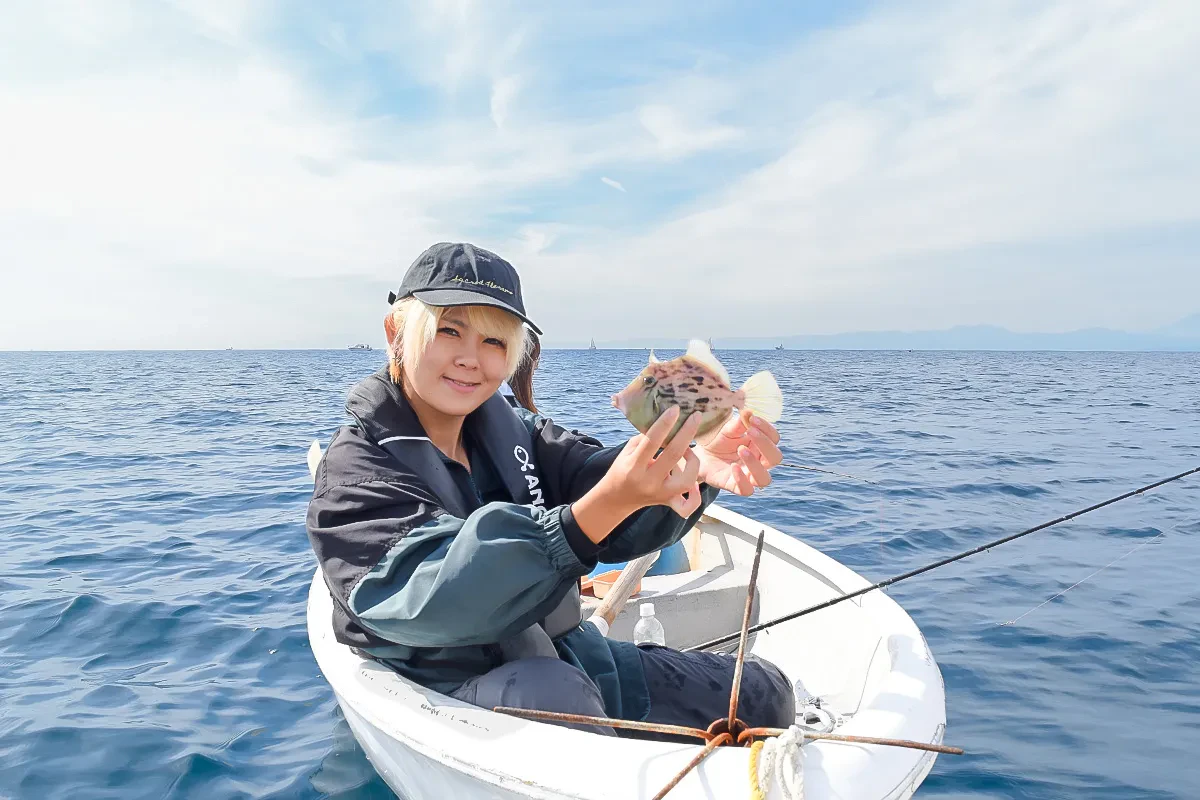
(975, 128)
(150, 146)
(227, 20)
(677, 136)
(533, 240)
(504, 90)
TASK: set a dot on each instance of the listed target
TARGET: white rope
(782, 763)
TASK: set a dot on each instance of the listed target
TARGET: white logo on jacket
(522, 456)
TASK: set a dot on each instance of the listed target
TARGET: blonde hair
(416, 326)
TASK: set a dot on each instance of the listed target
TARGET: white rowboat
(864, 659)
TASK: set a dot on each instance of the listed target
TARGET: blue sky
(211, 174)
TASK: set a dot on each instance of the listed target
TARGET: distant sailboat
(710, 345)
(779, 346)
(592, 346)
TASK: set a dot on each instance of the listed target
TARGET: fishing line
(828, 472)
(879, 496)
(943, 562)
(1088, 578)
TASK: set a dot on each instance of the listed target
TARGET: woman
(452, 529)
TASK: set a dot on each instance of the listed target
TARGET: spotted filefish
(695, 381)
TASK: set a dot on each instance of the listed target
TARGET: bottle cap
(647, 609)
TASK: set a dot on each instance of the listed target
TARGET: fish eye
(649, 380)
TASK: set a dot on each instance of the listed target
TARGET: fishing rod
(905, 576)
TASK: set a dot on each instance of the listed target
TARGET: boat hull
(428, 745)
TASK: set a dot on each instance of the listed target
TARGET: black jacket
(431, 568)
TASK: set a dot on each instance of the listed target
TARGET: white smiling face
(460, 368)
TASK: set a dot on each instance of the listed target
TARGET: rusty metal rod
(837, 737)
(695, 762)
(741, 653)
(683, 730)
(580, 719)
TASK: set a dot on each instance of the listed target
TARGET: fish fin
(314, 458)
(653, 358)
(763, 397)
(700, 351)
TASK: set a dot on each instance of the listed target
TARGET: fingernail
(758, 421)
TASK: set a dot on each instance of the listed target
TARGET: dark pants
(689, 689)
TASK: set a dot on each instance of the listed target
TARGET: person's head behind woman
(456, 357)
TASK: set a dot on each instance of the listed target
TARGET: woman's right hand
(639, 478)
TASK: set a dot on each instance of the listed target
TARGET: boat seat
(693, 606)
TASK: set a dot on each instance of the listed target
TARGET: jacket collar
(386, 416)
(382, 410)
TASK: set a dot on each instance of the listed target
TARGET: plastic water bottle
(648, 629)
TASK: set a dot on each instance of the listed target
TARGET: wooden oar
(622, 589)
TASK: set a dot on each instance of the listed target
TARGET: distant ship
(779, 346)
(359, 347)
(592, 346)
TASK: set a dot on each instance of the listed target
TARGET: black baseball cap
(461, 274)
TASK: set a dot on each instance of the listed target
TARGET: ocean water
(155, 564)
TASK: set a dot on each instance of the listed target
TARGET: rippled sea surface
(155, 564)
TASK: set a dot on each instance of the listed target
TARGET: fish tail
(763, 397)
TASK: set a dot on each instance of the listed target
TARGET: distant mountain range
(1183, 335)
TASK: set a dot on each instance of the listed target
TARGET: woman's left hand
(738, 458)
